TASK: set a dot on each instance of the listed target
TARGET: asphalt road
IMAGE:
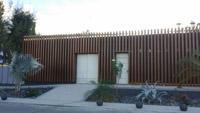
(27, 108)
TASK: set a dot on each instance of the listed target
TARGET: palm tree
(22, 66)
(190, 67)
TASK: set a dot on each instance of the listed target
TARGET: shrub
(150, 94)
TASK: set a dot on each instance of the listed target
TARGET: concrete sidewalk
(72, 95)
(106, 106)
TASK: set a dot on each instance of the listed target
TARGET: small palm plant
(190, 67)
(102, 90)
(22, 66)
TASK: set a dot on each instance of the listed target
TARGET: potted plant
(102, 91)
(3, 95)
(139, 105)
(184, 102)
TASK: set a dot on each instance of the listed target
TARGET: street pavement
(70, 99)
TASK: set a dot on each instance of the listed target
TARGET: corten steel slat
(158, 56)
(172, 56)
(182, 48)
(83, 50)
(56, 61)
(52, 62)
(40, 59)
(135, 55)
(81, 43)
(148, 55)
(65, 59)
(104, 56)
(186, 49)
(97, 44)
(155, 57)
(138, 37)
(111, 51)
(48, 60)
(99, 54)
(45, 57)
(165, 55)
(107, 55)
(73, 57)
(197, 48)
(145, 56)
(126, 43)
(169, 64)
(151, 57)
(161, 52)
(86, 42)
(117, 44)
(179, 52)
(193, 49)
(176, 52)
(34, 55)
(68, 60)
(129, 58)
(132, 54)
(60, 60)
(120, 42)
(190, 52)
(142, 53)
(78, 43)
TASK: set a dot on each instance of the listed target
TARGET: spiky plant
(150, 94)
(22, 66)
(190, 67)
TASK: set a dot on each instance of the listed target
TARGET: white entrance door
(123, 58)
(87, 68)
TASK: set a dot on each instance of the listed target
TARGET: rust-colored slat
(179, 52)
(190, 51)
(145, 56)
(176, 52)
(162, 59)
(155, 57)
(148, 55)
(172, 56)
(197, 48)
(104, 56)
(74, 62)
(183, 48)
(132, 54)
(169, 64)
(186, 49)
(193, 49)
(152, 50)
(158, 55)
(165, 54)
(111, 52)
(138, 37)
(142, 53)
(65, 59)
(107, 55)
(114, 49)
(129, 57)
(135, 51)
(122, 41)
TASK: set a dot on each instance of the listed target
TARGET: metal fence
(153, 54)
(6, 78)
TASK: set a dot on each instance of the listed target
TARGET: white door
(87, 68)
(123, 58)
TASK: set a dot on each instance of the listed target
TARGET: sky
(76, 16)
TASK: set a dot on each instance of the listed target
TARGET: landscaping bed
(26, 92)
(128, 96)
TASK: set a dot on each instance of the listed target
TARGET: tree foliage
(22, 24)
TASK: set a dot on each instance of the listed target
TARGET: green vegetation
(190, 68)
(13, 28)
(102, 91)
(31, 93)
